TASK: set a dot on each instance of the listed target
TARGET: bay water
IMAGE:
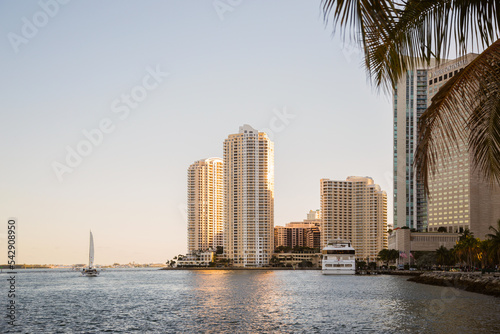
(241, 301)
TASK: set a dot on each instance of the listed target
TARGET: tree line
(468, 252)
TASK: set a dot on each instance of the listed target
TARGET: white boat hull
(90, 273)
(338, 258)
(338, 272)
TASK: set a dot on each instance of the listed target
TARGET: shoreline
(486, 284)
(363, 272)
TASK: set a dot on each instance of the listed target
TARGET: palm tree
(393, 255)
(495, 240)
(442, 255)
(468, 249)
(383, 256)
(397, 36)
(275, 262)
(485, 251)
(466, 234)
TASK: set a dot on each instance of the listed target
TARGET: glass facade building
(409, 102)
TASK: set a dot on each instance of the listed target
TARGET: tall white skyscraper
(205, 204)
(249, 197)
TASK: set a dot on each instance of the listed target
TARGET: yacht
(338, 258)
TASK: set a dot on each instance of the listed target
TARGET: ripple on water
(138, 301)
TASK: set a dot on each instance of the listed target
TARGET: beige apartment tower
(249, 197)
(205, 205)
(355, 209)
(459, 197)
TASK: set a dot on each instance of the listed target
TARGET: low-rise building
(407, 242)
(294, 259)
(202, 259)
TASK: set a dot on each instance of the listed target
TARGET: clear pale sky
(73, 71)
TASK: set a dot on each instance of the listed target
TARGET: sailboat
(90, 271)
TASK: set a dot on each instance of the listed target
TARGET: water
(137, 301)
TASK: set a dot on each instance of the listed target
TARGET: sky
(105, 104)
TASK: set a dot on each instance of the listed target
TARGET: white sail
(91, 251)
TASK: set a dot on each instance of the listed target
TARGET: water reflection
(239, 300)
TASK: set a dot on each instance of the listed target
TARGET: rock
(489, 285)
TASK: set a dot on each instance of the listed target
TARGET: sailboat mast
(91, 251)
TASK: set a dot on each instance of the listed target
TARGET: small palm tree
(383, 256)
(484, 252)
(393, 255)
(466, 234)
(468, 249)
(442, 255)
(495, 240)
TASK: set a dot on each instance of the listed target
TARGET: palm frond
(354, 16)
(365, 21)
(467, 109)
(400, 35)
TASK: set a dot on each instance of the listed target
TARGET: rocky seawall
(488, 284)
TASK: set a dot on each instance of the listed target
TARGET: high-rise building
(205, 205)
(305, 234)
(409, 102)
(356, 210)
(249, 197)
(280, 236)
(459, 197)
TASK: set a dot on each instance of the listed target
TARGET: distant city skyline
(122, 96)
